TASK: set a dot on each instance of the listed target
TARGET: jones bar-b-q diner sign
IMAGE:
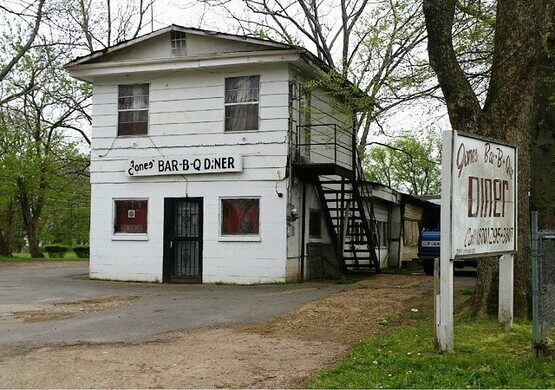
(184, 165)
(484, 190)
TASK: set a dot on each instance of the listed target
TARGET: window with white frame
(240, 216)
(130, 216)
(177, 39)
(242, 103)
(133, 104)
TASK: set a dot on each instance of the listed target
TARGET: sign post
(478, 219)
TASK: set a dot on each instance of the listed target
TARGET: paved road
(159, 307)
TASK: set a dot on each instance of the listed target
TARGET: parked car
(428, 249)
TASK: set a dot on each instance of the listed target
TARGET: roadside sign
(484, 190)
(478, 218)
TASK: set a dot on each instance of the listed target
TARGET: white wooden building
(212, 162)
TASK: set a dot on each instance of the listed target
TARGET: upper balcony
(324, 149)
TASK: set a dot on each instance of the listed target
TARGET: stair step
(355, 250)
(357, 242)
(341, 208)
(357, 258)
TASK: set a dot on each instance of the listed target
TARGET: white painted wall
(223, 261)
(186, 117)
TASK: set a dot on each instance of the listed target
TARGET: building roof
(271, 44)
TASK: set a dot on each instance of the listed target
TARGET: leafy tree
(406, 164)
(523, 31)
(35, 144)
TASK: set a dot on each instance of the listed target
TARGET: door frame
(169, 215)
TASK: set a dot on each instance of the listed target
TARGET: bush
(56, 250)
(82, 251)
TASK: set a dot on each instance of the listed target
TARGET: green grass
(25, 257)
(484, 357)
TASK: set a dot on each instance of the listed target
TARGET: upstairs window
(133, 109)
(241, 103)
(177, 39)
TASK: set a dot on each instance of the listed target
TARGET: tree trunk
(32, 237)
(4, 247)
(508, 113)
(542, 194)
(8, 230)
(30, 218)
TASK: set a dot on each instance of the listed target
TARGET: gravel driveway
(55, 304)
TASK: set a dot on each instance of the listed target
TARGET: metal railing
(362, 191)
(323, 144)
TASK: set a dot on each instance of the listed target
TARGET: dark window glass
(178, 43)
(241, 103)
(315, 224)
(131, 216)
(133, 101)
(240, 217)
(382, 229)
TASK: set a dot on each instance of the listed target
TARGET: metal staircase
(336, 172)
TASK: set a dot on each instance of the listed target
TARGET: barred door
(183, 240)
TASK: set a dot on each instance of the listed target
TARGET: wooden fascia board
(86, 72)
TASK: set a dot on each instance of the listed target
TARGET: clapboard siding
(186, 116)
(251, 175)
(186, 104)
(133, 144)
(198, 128)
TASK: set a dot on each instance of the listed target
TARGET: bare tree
(376, 46)
(25, 14)
(98, 24)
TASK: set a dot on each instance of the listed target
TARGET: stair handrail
(361, 191)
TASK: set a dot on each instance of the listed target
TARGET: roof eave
(86, 72)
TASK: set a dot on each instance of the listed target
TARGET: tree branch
(462, 104)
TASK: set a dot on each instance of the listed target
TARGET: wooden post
(506, 264)
(444, 300)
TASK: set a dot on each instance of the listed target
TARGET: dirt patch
(281, 353)
(374, 306)
(63, 310)
(209, 358)
(42, 264)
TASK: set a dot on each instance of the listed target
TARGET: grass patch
(25, 257)
(484, 357)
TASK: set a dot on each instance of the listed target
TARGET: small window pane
(241, 117)
(240, 217)
(127, 103)
(242, 89)
(315, 224)
(132, 128)
(133, 90)
(131, 216)
(133, 116)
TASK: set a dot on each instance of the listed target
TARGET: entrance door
(183, 240)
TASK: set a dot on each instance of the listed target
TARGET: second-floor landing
(324, 149)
